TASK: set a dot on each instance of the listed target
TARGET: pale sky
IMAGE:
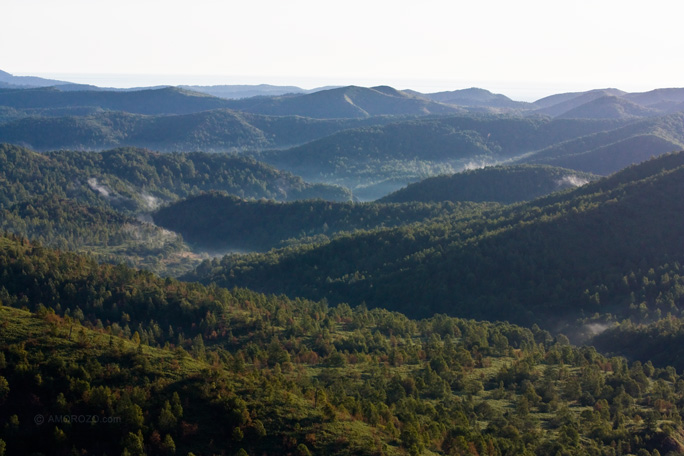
(522, 48)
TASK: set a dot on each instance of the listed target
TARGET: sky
(525, 49)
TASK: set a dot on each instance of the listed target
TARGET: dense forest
(221, 222)
(501, 184)
(100, 203)
(410, 150)
(218, 130)
(345, 319)
(105, 359)
(593, 252)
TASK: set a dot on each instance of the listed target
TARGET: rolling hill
(374, 161)
(219, 222)
(502, 184)
(100, 202)
(109, 360)
(611, 103)
(555, 105)
(610, 107)
(218, 130)
(554, 261)
(476, 98)
(10, 81)
(611, 150)
(167, 100)
(344, 102)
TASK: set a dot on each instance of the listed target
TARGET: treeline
(142, 365)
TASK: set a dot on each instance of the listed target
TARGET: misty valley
(257, 270)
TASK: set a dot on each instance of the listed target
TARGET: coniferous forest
(345, 271)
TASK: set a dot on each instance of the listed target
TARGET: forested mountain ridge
(218, 222)
(217, 130)
(166, 100)
(612, 150)
(406, 151)
(373, 140)
(610, 107)
(122, 176)
(475, 97)
(100, 202)
(593, 250)
(155, 366)
(344, 102)
(502, 184)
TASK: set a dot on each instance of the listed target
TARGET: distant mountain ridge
(344, 102)
(217, 130)
(8, 80)
(240, 91)
(608, 151)
(167, 100)
(355, 102)
(476, 97)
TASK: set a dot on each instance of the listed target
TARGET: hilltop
(219, 222)
(502, 184)
(610, 107)
(612, 150)
(476, 97)
(344, 102)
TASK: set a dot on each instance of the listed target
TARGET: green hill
(502, 184)
(659, 342)
(553, 261)
(218, 222)
(107, 360)
(404, 152)
(612, 150)
(210, 131)
(100, 202)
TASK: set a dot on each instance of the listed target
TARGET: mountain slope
(551, 261)
(168, 100)
(109, 360)
(609, 151)
(402, 152)
(10, 81)
(657, 98)
(503, 184)
(217, 130)
(475, 97)
(555, 105)
(220, 222)
(344, 102)
(609, 107)
(100, 202)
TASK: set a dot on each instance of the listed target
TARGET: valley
(263, 269)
